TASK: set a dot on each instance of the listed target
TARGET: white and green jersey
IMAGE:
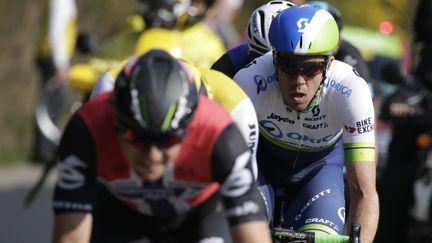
(342, 109)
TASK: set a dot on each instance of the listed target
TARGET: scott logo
(302, 24)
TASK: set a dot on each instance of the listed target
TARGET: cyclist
(154, 159)
(195, 31)
(314, 113)
(55, 48)
(215, 85)
(346, 51)
(257, 39)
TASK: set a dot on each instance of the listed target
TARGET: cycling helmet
(331, 9)
(304, 30)
(259, 24)
(162, 13)
(155, 96)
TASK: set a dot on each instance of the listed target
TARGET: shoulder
(260, 65)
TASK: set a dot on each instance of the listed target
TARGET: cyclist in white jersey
(315, 116)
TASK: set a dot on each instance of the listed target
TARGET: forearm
(72, 228)
(364, 210)
(251, 232)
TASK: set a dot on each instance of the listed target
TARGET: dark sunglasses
(294, 68)
(143, 142)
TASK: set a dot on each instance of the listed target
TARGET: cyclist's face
(299, 78)
(149, 163)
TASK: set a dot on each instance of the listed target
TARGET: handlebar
(281, 235)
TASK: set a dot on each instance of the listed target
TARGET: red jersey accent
(193, 165)
(100, 120)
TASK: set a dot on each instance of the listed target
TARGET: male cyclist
(314, 114)
(214, 84)
(257, 39)
(155, 160)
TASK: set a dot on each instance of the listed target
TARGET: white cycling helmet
(259, 25)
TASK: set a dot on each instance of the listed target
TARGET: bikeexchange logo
(262, 82)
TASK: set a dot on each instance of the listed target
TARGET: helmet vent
(262, 26)
(301, 42)
(292, 44)
(310, 44)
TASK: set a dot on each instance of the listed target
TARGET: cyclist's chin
(150, 171)
(297, 105)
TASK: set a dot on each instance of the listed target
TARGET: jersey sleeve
(231, 166)
(76, 181)
(353, 102)
(225, 65)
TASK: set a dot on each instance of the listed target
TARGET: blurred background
(105, 18)
(381, 29)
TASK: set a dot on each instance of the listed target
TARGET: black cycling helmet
(331, 9)
(155, 96)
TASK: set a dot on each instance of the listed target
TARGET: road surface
(19, 224)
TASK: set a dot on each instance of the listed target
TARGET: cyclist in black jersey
(154, 160)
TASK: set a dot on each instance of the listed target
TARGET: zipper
(301, 141)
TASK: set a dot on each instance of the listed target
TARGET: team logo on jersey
(271, 128)
(350, 129)
(365, 125)
(262, 82)
(315, 111)
(70, 176)
(280, 118)
(345, 90)
(315, 126)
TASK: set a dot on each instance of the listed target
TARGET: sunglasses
(143, 142)
(294, 68)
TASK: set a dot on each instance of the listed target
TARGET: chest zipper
(298, 148)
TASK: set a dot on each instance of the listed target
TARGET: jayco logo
(262, 82)
(302, 24)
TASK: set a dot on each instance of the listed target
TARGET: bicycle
(282, 235)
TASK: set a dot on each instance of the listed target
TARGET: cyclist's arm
(72, 227)
(358, 122)
(363, 207)
(228, 94)
(73, 195)
(244, 207)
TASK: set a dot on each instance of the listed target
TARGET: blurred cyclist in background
(315, 117)
(200, 44)
(257, 39)
(55, 49)
(153, 160)
(221, 21)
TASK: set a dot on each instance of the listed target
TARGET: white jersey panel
(344, 106)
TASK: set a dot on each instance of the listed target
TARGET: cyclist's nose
(154, 153)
